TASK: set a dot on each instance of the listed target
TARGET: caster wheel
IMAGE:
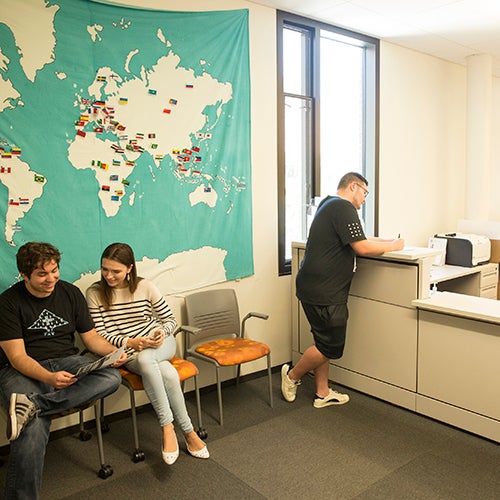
(85, 435)
(105, 471)
(105, 427)
(138, 456)
(202, 433)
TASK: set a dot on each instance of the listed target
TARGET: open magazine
(107, 360)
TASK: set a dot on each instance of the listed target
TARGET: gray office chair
(220, 340)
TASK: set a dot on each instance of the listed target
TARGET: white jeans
(161, 383)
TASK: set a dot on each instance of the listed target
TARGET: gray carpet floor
(366, 449)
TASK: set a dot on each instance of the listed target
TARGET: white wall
(422, 144)
(495, 154)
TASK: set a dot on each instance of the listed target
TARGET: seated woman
(130, 311)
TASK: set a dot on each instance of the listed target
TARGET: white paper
(103, 362)
(439, 244)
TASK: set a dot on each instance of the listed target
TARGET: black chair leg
(83, 434)
(106, 470)
(138, 455)
(219, 396)
(202, 432)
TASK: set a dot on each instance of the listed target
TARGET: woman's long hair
(122, 253)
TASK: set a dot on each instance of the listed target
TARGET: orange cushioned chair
(133, 382)
(220, 339)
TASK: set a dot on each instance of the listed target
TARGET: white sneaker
(21, 411)
(288, 386)
(333, 398)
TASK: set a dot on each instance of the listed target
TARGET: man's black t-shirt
(325, 275)
(48, 324)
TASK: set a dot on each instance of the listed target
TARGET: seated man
(39, 318)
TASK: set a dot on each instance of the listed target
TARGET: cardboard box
(495, 257)
(495, 251)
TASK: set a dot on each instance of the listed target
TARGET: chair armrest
(251, 315)
(256, 315)
(193, 330)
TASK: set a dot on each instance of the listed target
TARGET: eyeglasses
(365, 191)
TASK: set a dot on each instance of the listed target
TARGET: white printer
(466, 250)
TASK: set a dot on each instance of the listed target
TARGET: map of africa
(126, 124)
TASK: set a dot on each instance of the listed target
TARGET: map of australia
(130, 125)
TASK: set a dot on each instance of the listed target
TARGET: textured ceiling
(448, 29)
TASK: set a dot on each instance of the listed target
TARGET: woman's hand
(121, 361)
(154, 341)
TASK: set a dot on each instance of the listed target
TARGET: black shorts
(328, 326)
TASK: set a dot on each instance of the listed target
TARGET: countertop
(465, 306)
(408, 253)
(412, 253)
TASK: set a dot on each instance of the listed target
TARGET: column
(478, 147)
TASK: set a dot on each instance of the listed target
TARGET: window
(327, 100)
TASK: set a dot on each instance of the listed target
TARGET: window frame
(314, 27)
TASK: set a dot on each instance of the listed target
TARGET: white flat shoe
(169, 457)
(203, 453)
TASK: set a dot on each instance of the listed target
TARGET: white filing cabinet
(488, 286)
(382, 329)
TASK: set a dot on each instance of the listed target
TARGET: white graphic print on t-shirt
(48, 322)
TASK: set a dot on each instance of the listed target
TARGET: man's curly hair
(35, 254)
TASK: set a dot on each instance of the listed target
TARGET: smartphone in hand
(156, 335)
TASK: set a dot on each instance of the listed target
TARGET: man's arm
(375, 246)
(16, 353)
(377, 238)
(99, 345)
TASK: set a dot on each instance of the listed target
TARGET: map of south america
(24, 187)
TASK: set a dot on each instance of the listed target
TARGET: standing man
(39, 318)
(323, 281)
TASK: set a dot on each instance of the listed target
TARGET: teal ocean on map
(123, 124)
